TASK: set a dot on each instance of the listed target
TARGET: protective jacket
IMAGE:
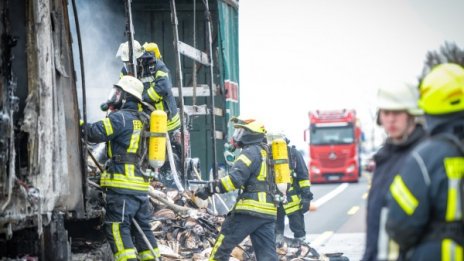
(388, 161)
(251, 175)
(122, 131)
(425, 202)
(157, 87)
(300, 186)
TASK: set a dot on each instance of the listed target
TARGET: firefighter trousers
(295, 221)
(237, 227)
(120, 209)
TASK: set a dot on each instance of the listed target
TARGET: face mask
(114, 101)
(237, 136)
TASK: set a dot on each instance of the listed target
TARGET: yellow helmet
(249, 124)
(442, 90)
(153, 48)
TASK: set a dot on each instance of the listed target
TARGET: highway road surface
(338, 224)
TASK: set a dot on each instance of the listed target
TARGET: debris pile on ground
(186, 232)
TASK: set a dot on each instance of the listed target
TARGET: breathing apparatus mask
(115, 100)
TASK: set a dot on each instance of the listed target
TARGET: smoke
(102, 26)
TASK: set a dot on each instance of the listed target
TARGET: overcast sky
(302, 55)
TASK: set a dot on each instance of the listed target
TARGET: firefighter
(156, 81)
(157, 92)
(426, 197)
(398, 115)
(254, 212)
(299, 197)
(126, 187)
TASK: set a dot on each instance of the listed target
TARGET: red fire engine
(334, 146)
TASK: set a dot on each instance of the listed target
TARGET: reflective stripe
(160, 73)
(124, 181)
(262, 197)
(263, 170)
(216, 246)
(125, 254)
(256, 206)
(108, 126)
(147, 79)
(244, 159)
(135, 137)
(117, 236)
(227, 184)
(454, 168)
(110, 152)
(154, 96)
(147, 255)
(129, 170)
(450, 251)
(174, 122)
(304, 183)
(292, 206)
(403, 195)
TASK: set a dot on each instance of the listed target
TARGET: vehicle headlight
(315, 169)
(351, 168)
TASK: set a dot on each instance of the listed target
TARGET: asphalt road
(338, 224)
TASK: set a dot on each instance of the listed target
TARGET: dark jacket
(300, 186)
(388, 161)
(250, 174)
(121, 131)
(425, 210)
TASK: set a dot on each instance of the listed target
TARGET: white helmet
(399, 96)
(123, 50)
(131, 85)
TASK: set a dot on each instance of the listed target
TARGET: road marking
(353, 210)
(321, 201)
(365, 195)
(322, 238)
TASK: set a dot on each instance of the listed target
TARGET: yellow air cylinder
(281, 166)
(157, 141)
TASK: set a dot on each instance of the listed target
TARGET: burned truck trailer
(46, 201)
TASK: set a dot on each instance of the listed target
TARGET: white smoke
(102, 26)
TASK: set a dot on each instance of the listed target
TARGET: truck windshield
(331, 135)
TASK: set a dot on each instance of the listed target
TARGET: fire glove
(203, 192)
(305, 203)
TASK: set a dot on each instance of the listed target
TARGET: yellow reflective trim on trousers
(174, 122)
(244, 159)
(124, 181)
(125, 254)
(454, 168)
(451, 251)
(108, 126)
(117, 236)
(129, 170)
(227, 184)
(154, 96)
(216, 246)
(403, 195)
(147, 255)
(304, 183)
(160, 73)
(263, 170)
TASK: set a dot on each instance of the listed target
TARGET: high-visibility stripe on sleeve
(108, 126)
(148, 255)
(160, 73)
(403, 195)
(174, 122)
(154, 96)
(216, 246)
(244, 159)
(227, 184)
(304, 183)
(450, 251)
(454, 168)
